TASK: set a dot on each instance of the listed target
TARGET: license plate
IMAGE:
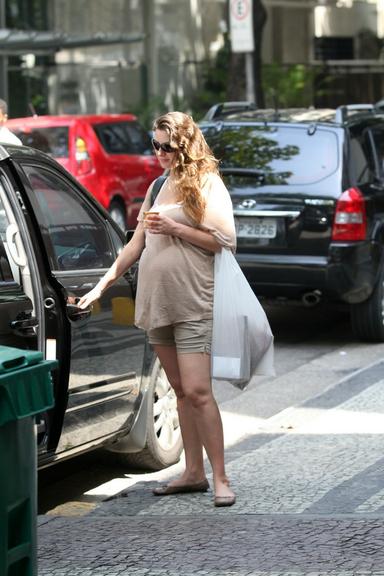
(256, 227)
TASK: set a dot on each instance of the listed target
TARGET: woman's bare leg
(195, 374)
(193, 447)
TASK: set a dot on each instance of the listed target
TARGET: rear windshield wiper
(258, 175)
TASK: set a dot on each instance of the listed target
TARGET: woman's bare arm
(128, 256)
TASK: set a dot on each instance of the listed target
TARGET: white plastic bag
(242, 340)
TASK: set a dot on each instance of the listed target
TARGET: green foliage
(284, 86)
(39, 104)
(214, 80)
(146, 112)
(288, 86)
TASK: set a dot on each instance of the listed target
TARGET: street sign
(241, 26)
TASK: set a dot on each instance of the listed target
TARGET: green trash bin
(25, 390)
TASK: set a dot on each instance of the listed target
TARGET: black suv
(308, 193)
(56, 241)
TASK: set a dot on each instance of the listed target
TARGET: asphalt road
(304, 454)
(303, 337)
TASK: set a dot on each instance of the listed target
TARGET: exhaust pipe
(310, 299)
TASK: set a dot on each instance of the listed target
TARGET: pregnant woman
(176, 239)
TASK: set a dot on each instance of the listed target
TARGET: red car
(109, 154)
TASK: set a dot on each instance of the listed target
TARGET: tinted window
(74, 235)
(378, 143)
(283, 154)
(359, 162)
(123, 138)
(53, 141)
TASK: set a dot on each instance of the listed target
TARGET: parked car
(56, 242)
(110, 155)
(308, 194)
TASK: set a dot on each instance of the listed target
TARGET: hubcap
(166, 420)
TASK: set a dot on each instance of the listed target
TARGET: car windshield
(277, 154)
(52, 140)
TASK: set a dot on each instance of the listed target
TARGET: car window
(53, 141)
(140, 140)
(5, 268)
(359, 162)
(282, 154)
(74, 235)
(378, 143)
(123, 138)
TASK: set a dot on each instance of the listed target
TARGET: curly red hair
(192, 162)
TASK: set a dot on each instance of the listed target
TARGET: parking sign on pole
(242, 39)
(241, 25)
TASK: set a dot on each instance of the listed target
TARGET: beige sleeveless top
(175, 280)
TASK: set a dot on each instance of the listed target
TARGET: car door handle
(24, 323)
(76, 314)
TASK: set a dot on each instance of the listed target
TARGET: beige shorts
(188, 337)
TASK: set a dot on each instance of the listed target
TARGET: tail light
(84, 162)
(350, 223)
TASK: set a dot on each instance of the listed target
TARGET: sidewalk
(310, 501)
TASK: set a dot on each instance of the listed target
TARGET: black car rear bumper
(348, 273)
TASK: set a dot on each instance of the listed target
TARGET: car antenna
(32, 109)
(275, 105)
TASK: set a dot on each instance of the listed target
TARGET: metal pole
(3, 58)
(150, 52)
(249, 77)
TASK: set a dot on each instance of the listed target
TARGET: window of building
(27, 14)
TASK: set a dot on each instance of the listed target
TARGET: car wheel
(368, 317)
(117, 213)
(164, 443)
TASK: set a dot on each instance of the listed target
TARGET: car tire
(117, 213)
(164, 443)
(367, 318)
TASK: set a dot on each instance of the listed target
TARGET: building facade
(91, 56)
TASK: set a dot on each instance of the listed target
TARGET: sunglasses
(166, 147)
